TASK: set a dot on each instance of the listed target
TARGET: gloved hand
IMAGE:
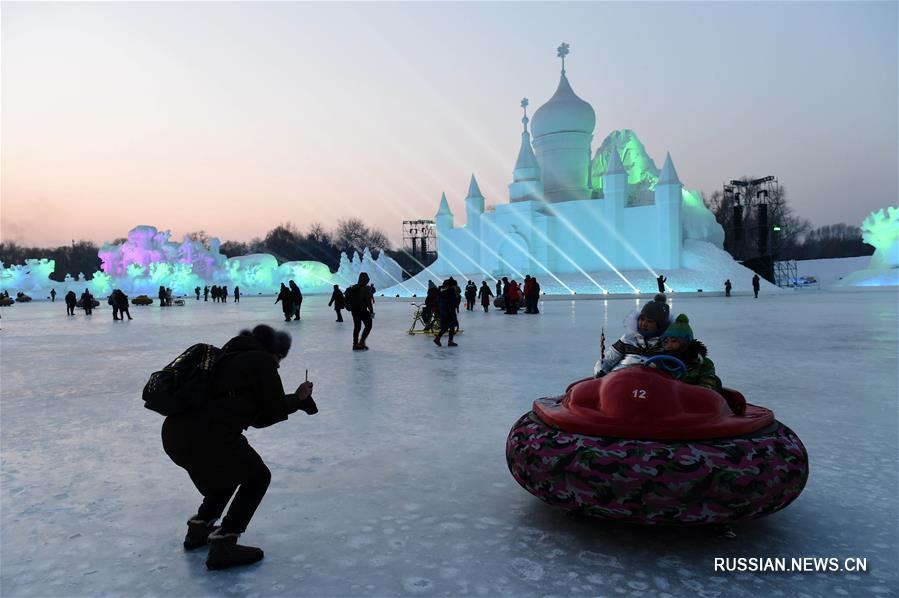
(304, 390)
(599, 374)
(309, 406)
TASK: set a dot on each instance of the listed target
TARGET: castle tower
(669, 206)
(526, 184)
(614, 185)
(563, 131)
(443, 217)
(474, 207)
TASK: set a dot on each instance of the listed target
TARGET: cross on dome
(562, 51)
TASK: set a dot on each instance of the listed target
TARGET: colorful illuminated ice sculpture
(31, 278)
(147, 259)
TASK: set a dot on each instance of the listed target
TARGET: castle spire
(526, 167)
(444, 206)
(473, 189)
(668, 176)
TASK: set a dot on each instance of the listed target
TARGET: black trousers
(448, 325)
(218, 463)
(361, 318)
(339, 316)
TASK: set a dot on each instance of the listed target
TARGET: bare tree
(353, 234)
(350, 234)
(318, 234)
(234, 248)
(201, 236)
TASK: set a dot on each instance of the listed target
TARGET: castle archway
(515, 255)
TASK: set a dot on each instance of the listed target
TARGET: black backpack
(349, 298)
(184, 384)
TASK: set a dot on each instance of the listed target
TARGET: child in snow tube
(642, 340)
(637, 445)
(677, 340)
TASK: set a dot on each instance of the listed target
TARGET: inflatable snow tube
(499, 303)
(80, 303)
(22, 298)
(6, 301)
(141, 300)
(680, 481)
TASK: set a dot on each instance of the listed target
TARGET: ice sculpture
(607, 224)
(147, 259)
(384, 272)
(31, 278)
(880, 230)
(568, 214)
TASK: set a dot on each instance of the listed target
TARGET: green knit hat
(680, 328)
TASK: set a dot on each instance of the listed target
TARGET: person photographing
(209, 442)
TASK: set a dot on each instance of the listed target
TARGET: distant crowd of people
(218, 294)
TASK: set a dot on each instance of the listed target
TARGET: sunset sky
(235, 117)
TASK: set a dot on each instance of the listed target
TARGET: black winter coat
(286, 299)
(337, 299)
(447, 301)
(120, 300)
(247, 390)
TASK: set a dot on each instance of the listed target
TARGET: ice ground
(399, 485)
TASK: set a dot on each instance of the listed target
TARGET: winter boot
(358, 347)
(225, 552)
(197, 533)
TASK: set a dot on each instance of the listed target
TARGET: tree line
(793, 239)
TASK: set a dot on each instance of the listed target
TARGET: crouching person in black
(209, 443)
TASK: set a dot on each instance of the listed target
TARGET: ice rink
(399, 486)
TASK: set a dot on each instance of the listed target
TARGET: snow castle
(568, 214)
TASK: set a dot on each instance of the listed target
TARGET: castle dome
(564, 112)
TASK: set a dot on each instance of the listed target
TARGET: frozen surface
(399, 485)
